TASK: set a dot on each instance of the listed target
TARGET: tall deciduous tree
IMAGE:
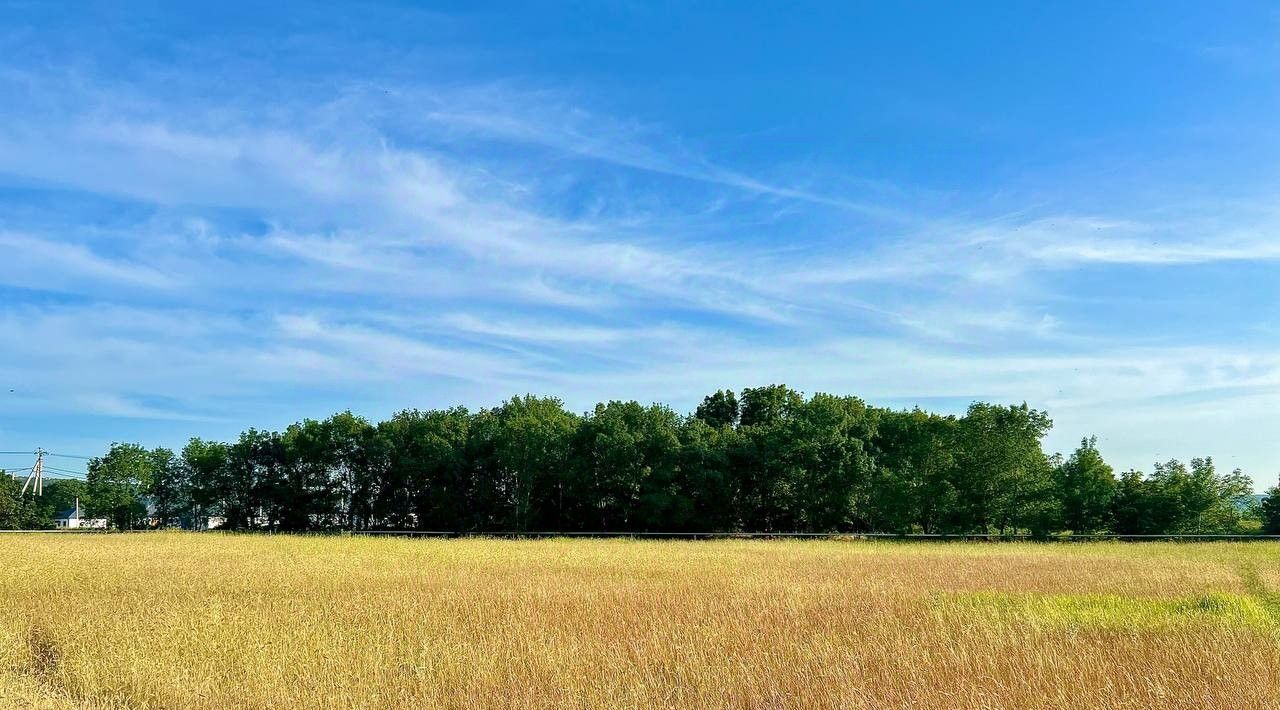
(628, 457)
(169, 489)
(355, 456)
(428, 482)
(118, 482)
(719, 409)
(1086, 486)
(207, 470)
(1004, 478)
(913, 483)
(828, 459)
(710, 476)
(14, 514)
(1270, 511)
(529, 456)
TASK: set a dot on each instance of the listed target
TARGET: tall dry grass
(222, 621)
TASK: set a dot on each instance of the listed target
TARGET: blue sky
(215, 220)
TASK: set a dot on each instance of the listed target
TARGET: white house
(74, 518)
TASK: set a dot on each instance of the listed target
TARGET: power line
(37, 472)
(64, 470)
(47, 453)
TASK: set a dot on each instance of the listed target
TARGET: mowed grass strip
(229, 621)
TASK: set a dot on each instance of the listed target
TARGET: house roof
(67, 514)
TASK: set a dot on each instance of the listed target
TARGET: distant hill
(1245, 502)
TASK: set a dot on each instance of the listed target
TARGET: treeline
(765, 460)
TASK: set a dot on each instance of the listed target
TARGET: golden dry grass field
(174, 620)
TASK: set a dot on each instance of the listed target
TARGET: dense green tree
(802, 464)
(765, 406)
(207, 472)
(260, 457)
(711, 479)
(628, 462)
(1086, 486)
(13, 513)
(1176, 499)
(1219, 500)
(238, 480)
(719, 409)
(758, 460)
(427, 481)
(355, 455)
(522, 457)
(1196, 499)
(829, 461)
(1131, 509)
(117, 483)
(305, 468)
(1003, 479)
(913, 484)
(169, 490)
(1269, 511)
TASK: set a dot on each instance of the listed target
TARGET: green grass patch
(1105, 611)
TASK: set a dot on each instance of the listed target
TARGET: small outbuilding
(74, 518)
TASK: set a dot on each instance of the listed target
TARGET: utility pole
(36, 476)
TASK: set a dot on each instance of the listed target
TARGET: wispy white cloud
(1012, 248)
(33, 262)
(114, 405)
(543, 118)
(539, 332)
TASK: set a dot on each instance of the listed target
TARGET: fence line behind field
(805, 535)
(543, 534)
